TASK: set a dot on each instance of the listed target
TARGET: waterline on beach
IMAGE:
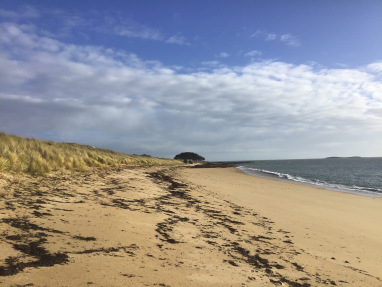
(352, 175)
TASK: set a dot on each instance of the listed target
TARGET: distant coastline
(330, 157)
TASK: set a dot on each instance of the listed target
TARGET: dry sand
(184, 227)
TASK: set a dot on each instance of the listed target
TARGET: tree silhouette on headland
(189, 157)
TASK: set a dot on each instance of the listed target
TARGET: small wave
(323, 184)
(367, 189)
(274, 174)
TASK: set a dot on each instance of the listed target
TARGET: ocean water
(356, 175)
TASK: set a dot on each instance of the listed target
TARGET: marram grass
(36, 157)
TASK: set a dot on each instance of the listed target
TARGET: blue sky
(227, 79)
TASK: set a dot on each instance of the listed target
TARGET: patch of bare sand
(133, 227)
(148, 227)
(336, 234)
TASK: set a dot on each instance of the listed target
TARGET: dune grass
(36, 157)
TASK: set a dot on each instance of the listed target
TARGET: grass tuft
(35, 157)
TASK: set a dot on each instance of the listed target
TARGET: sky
(229, 80)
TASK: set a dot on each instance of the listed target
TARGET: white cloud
(8, 14)
(110, 98)
(74, 23)
(287, 38)
(290, 40)
(26, 12)
(375, 67)
(211, 63)
(134, 30)
(138, 31)
(223, 55)
(177, 39)
(254, 53)
(127, 27)
(258, 33)
(270, 37)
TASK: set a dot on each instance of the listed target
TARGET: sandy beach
(184, 227)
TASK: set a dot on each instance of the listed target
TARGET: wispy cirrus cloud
(131, 29)
(287, 38)
(290, 40)
(26, 12)
(270, 37)
(222, 55)
(69, 24)
(138, 31)
(177, 39)
(253, 53)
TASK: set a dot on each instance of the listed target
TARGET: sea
(358, 175)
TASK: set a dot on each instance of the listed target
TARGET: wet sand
(184, 227)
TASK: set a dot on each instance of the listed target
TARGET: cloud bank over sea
(107, 97)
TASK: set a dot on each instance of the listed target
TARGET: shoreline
(329, 224)
(343, 189)
(183, 226)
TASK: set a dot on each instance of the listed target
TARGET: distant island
(330, 157)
